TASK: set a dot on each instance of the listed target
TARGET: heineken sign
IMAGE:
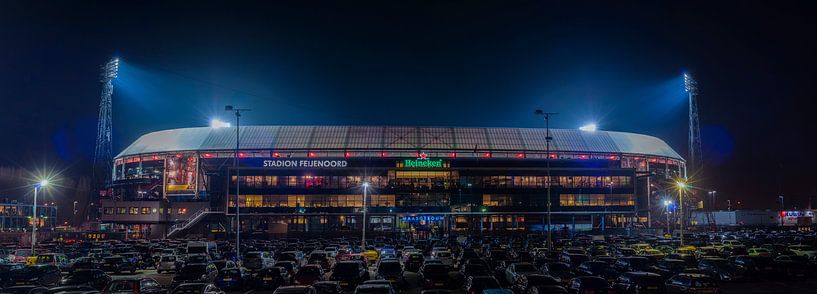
(419, 163)
(423, 162)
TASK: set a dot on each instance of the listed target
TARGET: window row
(596, 200)
(141, 210)
(313, 201)
(432, 180)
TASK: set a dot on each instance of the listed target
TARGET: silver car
(167, 263)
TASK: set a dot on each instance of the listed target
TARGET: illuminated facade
(308, 179)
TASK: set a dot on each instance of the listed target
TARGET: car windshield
(346, 267)
(389, 267)
(168, 258)
(485, 283)
(558, 267)
(192, 271)
(639, 263)
(525, 267)
(80, 275)
(436, 269)
(120, 286)
(541, 280)
(373, 290)
(593, 282)
(253, 255)
(699, 283)
(309, 270)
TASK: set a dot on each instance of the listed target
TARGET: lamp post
(667, 204)
(237, 112)
(681, 186)
(37, 188)
(548, 138)
(75, 213)
(363, 239)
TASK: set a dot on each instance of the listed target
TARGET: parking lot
(730, 262)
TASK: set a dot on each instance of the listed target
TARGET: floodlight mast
(103, 157)
(695, 153)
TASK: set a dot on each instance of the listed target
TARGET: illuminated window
(596, 200)
(145, 210)
(121, 210)
(108, 210)
(133, 210)
(182, 211)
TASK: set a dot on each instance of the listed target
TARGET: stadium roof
(397, 138)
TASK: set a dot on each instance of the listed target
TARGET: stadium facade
(422, 180)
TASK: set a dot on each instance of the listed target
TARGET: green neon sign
(423, 163)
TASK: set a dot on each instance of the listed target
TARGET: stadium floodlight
(681, 185)
(591, 127)
(217, 124)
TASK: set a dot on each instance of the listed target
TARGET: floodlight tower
(103, 165)
(695, 157)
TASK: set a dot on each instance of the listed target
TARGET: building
(422, 180)
(16, 217)
(742, 218)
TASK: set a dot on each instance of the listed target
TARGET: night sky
(434, 63)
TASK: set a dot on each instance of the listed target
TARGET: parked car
(295, 290)
(232, 279)
(90, 277)
(524, 283)
(350, 274)
(37, 275)
(517, 269)
(271, 278)
(638, 282)
(195, 273)
(196, 288)
(588, 284)
(167, 263)
(257, 260)
(134, 285)
(83, 263)
(328, 287)
(309, 274)
(477, 284)
(118, 264)
(436, 276)
(391, 270)
(690, 283)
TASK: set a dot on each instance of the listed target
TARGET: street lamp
(681, 186)
(365, 193)
(237, 112)
(667, 204)
(548, 138)
(37, 188)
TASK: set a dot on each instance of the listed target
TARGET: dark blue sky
(423, 63)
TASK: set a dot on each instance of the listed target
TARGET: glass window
(108, 210)
(121, 210)
(133, 210)
(145, 210)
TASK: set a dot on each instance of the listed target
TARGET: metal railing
(190, 221)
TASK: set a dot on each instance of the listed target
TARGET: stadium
(418, 181)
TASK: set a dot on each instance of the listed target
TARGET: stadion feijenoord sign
(305, 163)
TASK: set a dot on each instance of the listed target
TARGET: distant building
(16, 217)
(752, 218)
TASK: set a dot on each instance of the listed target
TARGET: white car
(445, 257)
